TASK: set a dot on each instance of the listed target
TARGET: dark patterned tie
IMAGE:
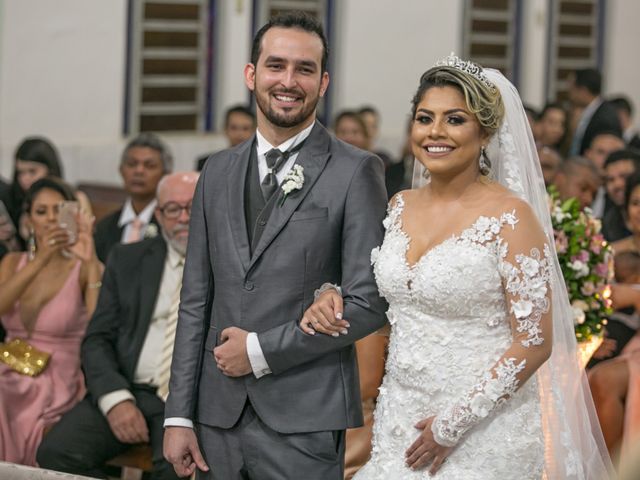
(275, 160)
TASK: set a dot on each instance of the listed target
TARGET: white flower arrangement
(293, 180)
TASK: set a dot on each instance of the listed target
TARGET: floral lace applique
(529, 283)
(486, 229)
(449, 427)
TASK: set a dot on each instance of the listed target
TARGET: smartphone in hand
(67, 219)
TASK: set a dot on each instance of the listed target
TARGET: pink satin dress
(28, 405)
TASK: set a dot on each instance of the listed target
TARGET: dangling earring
(484, 162)
(31, 245)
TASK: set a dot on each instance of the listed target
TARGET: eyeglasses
(172, 210)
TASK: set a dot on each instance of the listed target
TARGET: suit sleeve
(286, 345)
(99, 358)
(195, 303)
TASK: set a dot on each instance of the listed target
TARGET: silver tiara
(467, 66)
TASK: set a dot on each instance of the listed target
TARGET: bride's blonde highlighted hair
(482, 100)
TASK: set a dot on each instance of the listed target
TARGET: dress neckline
(46, 305)
(453, 238)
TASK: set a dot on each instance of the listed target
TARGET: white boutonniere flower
(151, 231)
(293, 180)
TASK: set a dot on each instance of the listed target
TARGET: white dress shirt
(129, 214)
(148, 365)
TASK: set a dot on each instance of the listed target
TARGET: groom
(257, 396)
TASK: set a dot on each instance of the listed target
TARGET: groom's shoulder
(353, 157)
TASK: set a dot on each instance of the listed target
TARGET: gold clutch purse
(24, 358)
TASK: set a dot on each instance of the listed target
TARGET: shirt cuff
(111, 399)
(258, 363)
(178, 422)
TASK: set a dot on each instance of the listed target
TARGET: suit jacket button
(248, 286)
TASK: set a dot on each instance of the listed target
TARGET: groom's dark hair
(300, 20)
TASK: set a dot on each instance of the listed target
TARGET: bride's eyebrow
(448, 112)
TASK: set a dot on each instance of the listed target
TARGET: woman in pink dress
(46, 298)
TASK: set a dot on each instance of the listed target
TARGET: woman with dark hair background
(552, 126)
(34, 159)
(47, 296)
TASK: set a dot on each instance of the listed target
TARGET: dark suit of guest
(604, 119)
(83, 441)
(109, 233)
(634, 142)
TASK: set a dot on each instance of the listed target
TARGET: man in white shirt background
(145, 160)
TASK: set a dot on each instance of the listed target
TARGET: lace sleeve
(524, 263)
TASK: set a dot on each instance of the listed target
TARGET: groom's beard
(286, 120)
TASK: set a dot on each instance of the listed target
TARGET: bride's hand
(425, 450)
(325, 315)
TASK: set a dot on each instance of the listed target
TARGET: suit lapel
(235, 201)
(313, 158)
(152, 266)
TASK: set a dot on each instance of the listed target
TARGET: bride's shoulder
(401, 197)
(502, 200)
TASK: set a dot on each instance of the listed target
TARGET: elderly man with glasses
(126, 354)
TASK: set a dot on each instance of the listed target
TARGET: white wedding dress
(464, 320)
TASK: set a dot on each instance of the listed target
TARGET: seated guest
(619, 166)
(603, 145)
(46, 297)
(371, 118)
(399, 176)
(35, 158)
(578, 177)
(596, 115)
(239, 126)
(350, 127)
(625, 113)
(632, 212)
(552, 126)
(126, 353)
(615, 386)
(623, 323)
(599, 149)
(550, 161)
(144, 161)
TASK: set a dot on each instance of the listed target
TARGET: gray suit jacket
(322, 233)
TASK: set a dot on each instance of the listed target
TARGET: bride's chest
(457, 276)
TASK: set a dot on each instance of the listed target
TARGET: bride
(482, 379)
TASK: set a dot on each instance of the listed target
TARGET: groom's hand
(231, 357)
(180, 448)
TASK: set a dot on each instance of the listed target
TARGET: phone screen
(67, 214)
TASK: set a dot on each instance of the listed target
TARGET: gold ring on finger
(52, 241)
